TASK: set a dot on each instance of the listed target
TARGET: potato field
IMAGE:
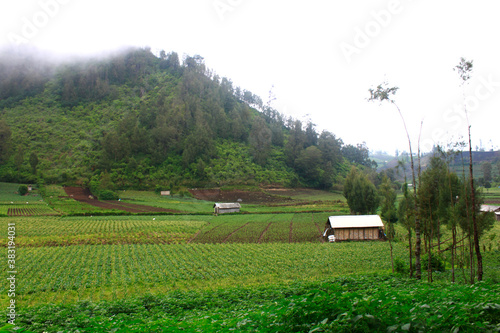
(197, 272)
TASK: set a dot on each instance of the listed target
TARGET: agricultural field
(264, 228)
(183, 203)
(361, 303)
(113, 272)
(59, 200)
(33, 209)
(31, 204)
(491, 196)
(9, 194)
(266, 271)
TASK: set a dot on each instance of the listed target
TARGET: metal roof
(355, 221)
(488, 208)
(227, 205)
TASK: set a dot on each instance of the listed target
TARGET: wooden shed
(354, 227)
(494, 209)
(230, 207)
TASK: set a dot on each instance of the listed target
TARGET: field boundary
(234, 231)
(263, 233)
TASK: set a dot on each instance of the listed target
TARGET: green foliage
(22, 189)
(436, 263)
(151, 120)
(344, 304)
(400, 266)
(388, 210)
(361, 194)
(5, 140)
(107, 195)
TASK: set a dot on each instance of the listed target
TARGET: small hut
(493, 209)
(230, 207)
(354, 227)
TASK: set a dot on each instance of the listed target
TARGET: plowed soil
(252, 197)
(84, 195)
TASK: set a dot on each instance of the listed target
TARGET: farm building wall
(227, 210)
(356, 234)
(221, 208)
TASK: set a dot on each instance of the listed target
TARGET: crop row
(27, 210)
(265, 228)
(256, 228)
(91, 269)
(51, 231)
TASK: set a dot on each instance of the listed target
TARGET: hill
(458, 162)
(138, 120)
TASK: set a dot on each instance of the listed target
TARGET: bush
(22, 189)
(107, 195)
(400, 266)
(437, 265)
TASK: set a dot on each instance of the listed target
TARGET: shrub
(437, 265)
(400, 266)
(22, 189)
(107, 195)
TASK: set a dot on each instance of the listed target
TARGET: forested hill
(138, 120)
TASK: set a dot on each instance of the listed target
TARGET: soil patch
(84, 195)
(252, 197)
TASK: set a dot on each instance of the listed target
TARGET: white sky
(321, 56)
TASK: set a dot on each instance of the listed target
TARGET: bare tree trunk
(429, 266)
(453, 252)
(410, 247)
(463, 259)
(392, 260)
(418, 268)
(474, 222)
(471, 259)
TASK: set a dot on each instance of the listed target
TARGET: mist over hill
(138, 120)
(399, 166)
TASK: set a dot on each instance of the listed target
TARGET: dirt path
(234, 231)
(290, 233)
(264, 232)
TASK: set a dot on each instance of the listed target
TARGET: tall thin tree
(384, 93)
(464, 69)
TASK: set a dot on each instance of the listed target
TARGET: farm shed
(221, 208)
(494, 209)
(354, 227)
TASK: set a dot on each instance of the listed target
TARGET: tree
(295, 143)
(406, 211)
(330, 148)
(33, 162)
(486, 168)
(464, 69)
(311, 136)
(387, 193)
(432, 184)
(19, 157)
(260, 141)
(22, 190)
(308, 164)
(199, 144)
(388, 210)
(361, 194)
(464, 213)
(383, 93)
(5, 134)
(358, 154)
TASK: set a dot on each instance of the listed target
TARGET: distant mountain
(458, 162)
